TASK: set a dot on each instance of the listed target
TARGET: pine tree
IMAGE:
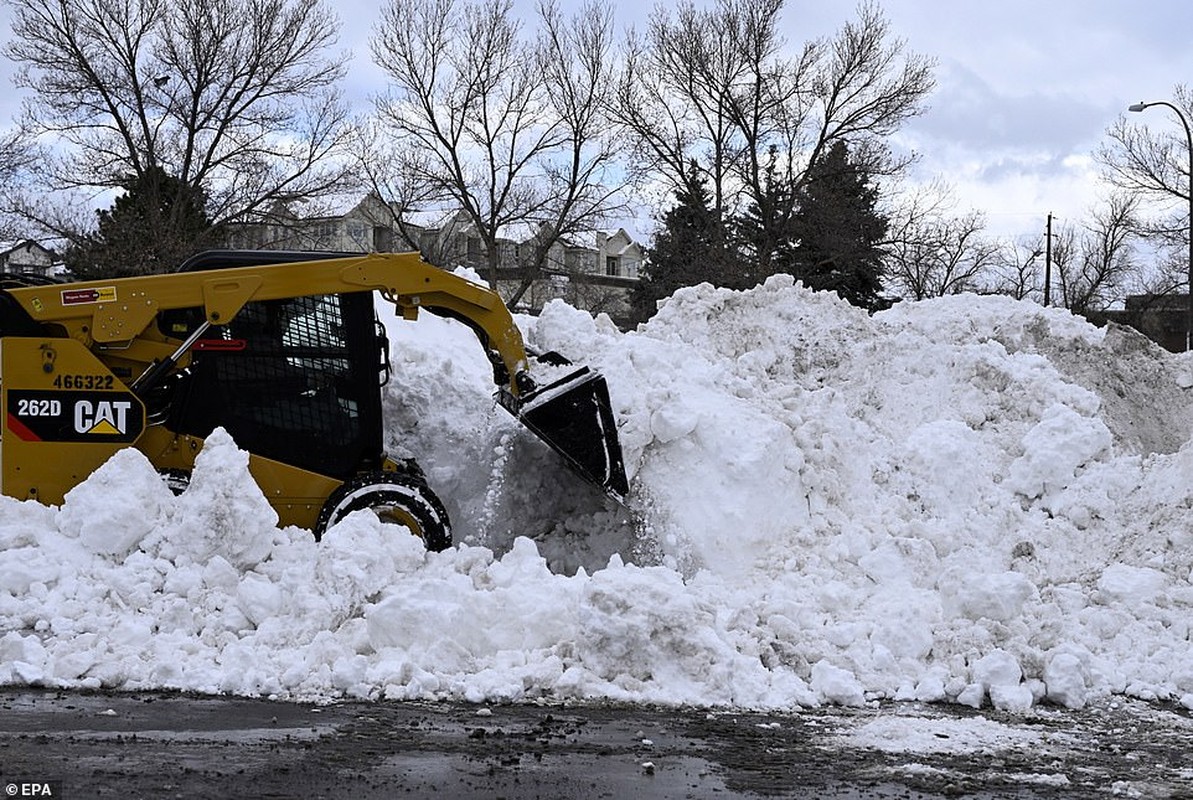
(688, 250)
(764, 231)
(156, 224)
(838, 230)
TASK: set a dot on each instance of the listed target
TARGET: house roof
(7, 247)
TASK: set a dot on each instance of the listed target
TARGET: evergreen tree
(838, 230)
(156, 224)
(764, 231)
(688, 250)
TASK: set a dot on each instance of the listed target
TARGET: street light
(1189, 139)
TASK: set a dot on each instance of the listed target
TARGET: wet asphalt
(160, 745)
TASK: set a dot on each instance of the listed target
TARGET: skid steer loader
(281, 349)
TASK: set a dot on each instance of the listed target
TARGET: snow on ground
(967, 500)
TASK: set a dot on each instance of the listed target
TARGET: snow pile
(967, 500)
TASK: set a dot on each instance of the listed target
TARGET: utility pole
(1048, 262)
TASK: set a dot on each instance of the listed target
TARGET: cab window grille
(290, 388)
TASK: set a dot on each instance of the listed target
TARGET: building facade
(27, 256)
(1163, 318)
(594, 270)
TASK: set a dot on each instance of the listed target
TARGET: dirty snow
(967, 500)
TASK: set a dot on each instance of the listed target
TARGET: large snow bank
(968, 500)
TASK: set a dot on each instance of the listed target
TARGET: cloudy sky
(1026, 89)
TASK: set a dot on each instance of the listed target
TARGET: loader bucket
(575, 417)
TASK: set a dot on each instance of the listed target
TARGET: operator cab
(294, 380)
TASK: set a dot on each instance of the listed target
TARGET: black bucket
(575, 417)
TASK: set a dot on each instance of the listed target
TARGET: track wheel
(401, 498)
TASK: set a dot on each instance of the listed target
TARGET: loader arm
(120, 312)
(117, 317)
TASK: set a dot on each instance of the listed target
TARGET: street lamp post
(1189, 140)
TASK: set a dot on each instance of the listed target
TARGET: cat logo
(103, 417)
(54, 416)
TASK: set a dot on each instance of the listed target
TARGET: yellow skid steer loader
(281, 349)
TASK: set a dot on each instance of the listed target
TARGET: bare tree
(1016, 269)
(1097, 266)
(715, 88)
(506, 128)
(236, 97)
(16, 156)
(932, 252)
(406, 200)
(1152, 163)
(677, 90)
(945, 256)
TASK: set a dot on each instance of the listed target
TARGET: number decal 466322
(87, 382)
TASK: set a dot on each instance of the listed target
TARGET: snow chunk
(1120, 583)
(1000, 596)
(222, 512)
(1067, 680)
(1055, 449)
(118, 506)
(999, 674)
(836, 685)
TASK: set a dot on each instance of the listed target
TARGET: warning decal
(78, 297)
